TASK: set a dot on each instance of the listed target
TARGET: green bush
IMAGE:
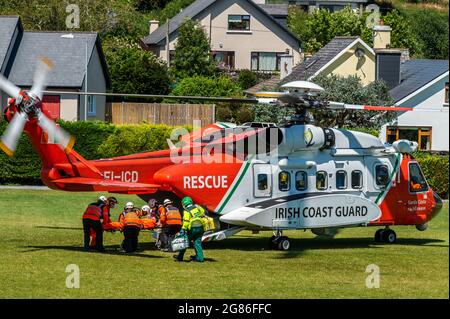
(130, 139)
(220, 86)
(435, 169)
(247, 79)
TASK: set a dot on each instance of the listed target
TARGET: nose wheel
(279, 242)
(386, 235)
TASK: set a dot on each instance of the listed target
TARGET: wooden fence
(160, 113)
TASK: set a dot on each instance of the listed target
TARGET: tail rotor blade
(8, 87)
(55, 133)
(10, 138)
(44, 66)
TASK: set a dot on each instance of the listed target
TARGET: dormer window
(239, 22)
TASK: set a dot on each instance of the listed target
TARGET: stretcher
(147, 224)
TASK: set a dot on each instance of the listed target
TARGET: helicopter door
(262, 180)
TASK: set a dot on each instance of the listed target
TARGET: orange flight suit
(132, 224)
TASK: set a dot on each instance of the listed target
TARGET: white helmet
(145, 208)
(129, 205)
(102, 199)
(167, 202)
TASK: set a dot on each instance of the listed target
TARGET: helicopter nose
(437, 206)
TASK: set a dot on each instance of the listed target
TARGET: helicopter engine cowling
(305, 137)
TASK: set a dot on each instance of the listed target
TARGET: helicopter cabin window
(357, 179)
(262, 182)
(284, 181)
(301, 181)
(321, 180)
(341, 179)
(417, 182)
(381, 175)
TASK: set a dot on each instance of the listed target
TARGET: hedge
(95, 140)
(436, 171)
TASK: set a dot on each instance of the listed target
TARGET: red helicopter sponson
(255, 176)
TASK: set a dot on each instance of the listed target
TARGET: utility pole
(167, 43)
(86, 82)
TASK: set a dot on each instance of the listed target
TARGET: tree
(350, 90)
(216, 86)
(148, 5)
(403, 35)
(133, 70)
(319, 28)
(432, 31)
(192, 52)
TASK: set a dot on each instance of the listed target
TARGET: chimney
(153, 25)
(387, 66)
(381, 36)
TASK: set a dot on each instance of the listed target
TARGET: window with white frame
(266, 61)
(238, 22)
(92, 105)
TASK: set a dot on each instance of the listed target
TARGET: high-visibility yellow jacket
(193, 217)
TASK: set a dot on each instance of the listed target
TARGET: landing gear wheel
(284, 243)
(379, 235)
(389, 236)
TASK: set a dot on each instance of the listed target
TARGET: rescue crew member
(193, 225)
(148, 221)
(131, 224)
(154, 209)
(91, 221)
(107, 225)
(170, 221)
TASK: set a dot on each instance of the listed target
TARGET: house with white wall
(242, 34)
(78, 61)
(423, 85)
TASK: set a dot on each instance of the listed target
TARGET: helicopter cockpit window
(382, 175)
(341, 179)
(357, 180)
(262, 182)
(284, 181)
(417, 182)
(301, 181)
(321, 180)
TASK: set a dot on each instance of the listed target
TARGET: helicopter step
(385, 235)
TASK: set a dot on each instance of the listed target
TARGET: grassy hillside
(44, 235)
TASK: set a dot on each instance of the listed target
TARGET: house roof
(314, 64)
(416, 74)
(341, 2)
(68, 56)
(7, 26)
(270, 84)
(190, 12)
(276, 10)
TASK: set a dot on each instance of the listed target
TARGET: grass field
(41, 234)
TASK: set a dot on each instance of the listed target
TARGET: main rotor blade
(44, 66)
(343, 106)
(8, 87)
(64, 140)
(171, 97)
(10, 138)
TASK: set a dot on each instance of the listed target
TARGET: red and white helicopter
(250, 177)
